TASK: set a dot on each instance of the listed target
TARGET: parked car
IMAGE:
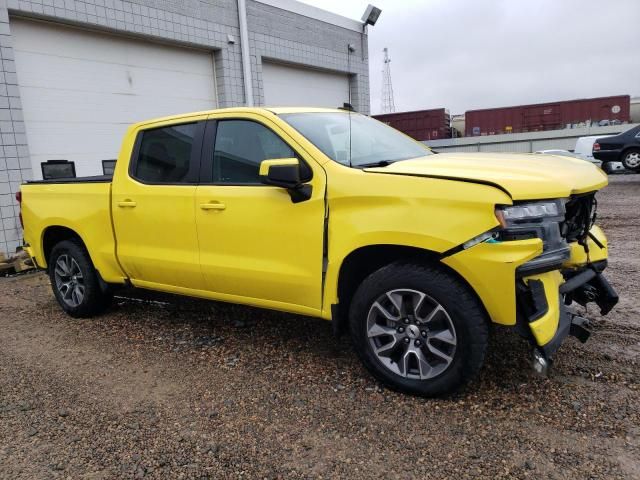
(609, 167)
(584, 150)
(332, 214)
(624, 148)
(562, 153)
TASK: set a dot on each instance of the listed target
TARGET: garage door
(292, 86)
(80, 90)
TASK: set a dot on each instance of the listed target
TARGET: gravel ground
(190, 389)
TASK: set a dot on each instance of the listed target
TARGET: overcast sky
(466, 54)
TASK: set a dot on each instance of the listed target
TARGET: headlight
(528, 212)
(536, 220)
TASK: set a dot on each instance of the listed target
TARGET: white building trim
(315, 13)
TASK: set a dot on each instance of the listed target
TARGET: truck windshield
(355, 140)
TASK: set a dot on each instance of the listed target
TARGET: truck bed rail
(91, 179)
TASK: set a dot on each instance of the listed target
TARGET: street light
(371, 15)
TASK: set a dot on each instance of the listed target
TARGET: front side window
(164, 154)
(355, 140)
(240, 147)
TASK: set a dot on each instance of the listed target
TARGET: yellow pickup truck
(331, 214)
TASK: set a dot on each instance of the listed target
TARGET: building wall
(277, 35)
(274, 33)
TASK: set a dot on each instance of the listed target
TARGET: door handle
(213, 206)
(127, 203)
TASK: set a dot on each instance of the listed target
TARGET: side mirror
(285, 173)
(282, 172)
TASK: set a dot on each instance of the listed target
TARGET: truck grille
(579, 217)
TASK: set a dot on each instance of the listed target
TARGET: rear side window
(166, 155)
(240, 147)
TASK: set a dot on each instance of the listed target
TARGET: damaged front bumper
(520, 290)
(543, 300)
(543, 314)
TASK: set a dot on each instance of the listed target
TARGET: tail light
(19, 200)
(596, 147)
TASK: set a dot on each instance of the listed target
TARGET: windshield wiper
(380, 163)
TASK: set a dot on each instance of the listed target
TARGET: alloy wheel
(69, 280)
(632, 160)
(411, 334)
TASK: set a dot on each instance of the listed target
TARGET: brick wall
(275, 34)
(15, 166)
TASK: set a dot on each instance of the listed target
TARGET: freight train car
(548, 116)
(421, 124)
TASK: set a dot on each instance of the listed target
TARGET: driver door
(256, 245)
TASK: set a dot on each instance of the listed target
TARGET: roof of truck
(258, 110)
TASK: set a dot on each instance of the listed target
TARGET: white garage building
(76, 73)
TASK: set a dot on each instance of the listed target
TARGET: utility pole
(388, 105)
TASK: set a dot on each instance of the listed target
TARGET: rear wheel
(75, 281)
(631, 159)
(418, 329)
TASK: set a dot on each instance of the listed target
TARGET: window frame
(194, 171)
(209, 148)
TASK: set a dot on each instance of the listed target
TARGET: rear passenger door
(153, 206)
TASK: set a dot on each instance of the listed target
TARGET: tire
(448, 319)
(631, 159)
(607, 168)
(75, 281)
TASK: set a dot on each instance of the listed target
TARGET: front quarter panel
(490, 269)
(379, 209)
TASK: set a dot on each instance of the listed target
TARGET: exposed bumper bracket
(579, 328)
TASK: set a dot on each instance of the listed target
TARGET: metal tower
(388, 105)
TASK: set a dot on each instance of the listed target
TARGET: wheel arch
(628, 149)
(363, 261)
(55, 234)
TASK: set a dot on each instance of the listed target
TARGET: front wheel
(418, 329)
(75, 281)
(631, 160)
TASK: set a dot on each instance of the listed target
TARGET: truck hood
(522, 176)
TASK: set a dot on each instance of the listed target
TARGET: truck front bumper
(535, 300)
(542, 313)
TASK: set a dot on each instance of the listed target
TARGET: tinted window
(164, 155)
(240, 148)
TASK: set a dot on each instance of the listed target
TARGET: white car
(584, 150)
(562, 153)
(610, 167)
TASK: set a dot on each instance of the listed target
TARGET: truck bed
(82, 205)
